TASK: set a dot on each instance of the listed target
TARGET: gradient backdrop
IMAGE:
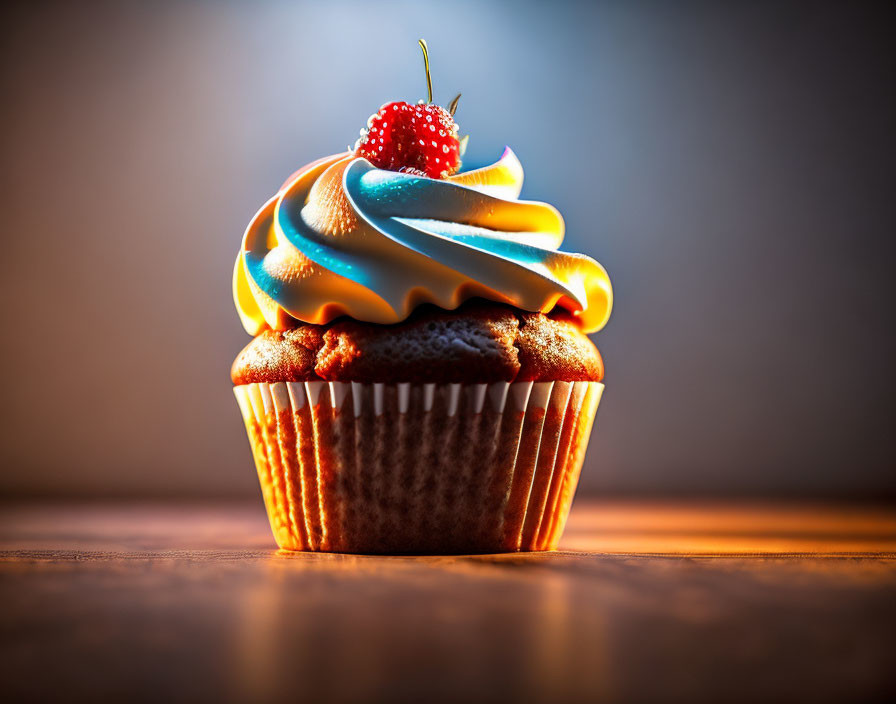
(731, 164)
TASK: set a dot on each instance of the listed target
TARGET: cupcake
(419, 379)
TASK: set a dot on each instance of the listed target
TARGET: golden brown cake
(479, 342)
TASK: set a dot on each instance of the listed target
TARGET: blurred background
(732, 164)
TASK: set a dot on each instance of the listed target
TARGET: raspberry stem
(425, 49)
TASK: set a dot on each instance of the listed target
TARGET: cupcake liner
(418, 468)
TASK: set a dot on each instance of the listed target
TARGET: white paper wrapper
(418, 468)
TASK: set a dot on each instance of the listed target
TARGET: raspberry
(412, 138)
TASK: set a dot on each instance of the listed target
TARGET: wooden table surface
(646, 602)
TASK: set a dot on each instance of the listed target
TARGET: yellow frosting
(342, 237)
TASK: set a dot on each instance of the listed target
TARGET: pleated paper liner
(418, 468)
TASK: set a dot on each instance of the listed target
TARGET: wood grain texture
(647, 602)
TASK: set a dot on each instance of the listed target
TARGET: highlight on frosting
(342, 237)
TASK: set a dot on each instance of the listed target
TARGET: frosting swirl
(342, 237)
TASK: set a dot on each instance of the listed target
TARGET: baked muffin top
(479, 342)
